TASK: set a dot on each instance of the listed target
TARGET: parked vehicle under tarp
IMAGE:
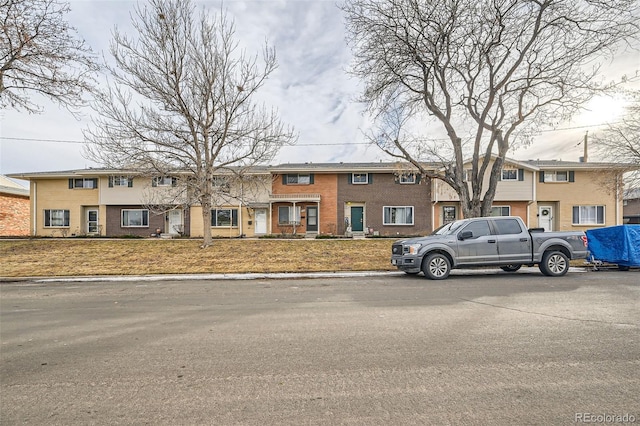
(619, 245)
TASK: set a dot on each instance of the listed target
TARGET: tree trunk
(207, 240)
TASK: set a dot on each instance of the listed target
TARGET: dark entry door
(312, 219)
(357, 219)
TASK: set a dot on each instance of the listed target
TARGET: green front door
(357, 219)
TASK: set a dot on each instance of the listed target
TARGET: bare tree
(487, 72)
(620, 142)
(181, 99)
(41, 54)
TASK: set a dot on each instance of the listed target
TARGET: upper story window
(360, 178)
(408, 178)
(84, 183)
(297, 179)
(221, 183)
(557, 176)
(510, 174)
(163, 181)
(120, 181)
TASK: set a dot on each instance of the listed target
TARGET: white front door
(175, 222)
(92, 221)
(545, 218)
(261, 221)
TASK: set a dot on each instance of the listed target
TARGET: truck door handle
(524, 240)
(491, 241)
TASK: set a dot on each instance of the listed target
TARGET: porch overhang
(294, 198)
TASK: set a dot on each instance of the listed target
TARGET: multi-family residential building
(350, 199)
(554, 195)
(344, 199)
(14, 209)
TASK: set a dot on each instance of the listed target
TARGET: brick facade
(14, 215)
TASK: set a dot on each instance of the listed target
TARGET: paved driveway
(481, 349)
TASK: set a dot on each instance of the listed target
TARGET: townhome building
(14, 209)
(554, 195)
(352, 199)
(311, 199)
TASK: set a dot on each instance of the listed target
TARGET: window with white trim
(56, 218)
(360, 178)
(224, 217)
(120, 181)
(510, 174)
(298, 179)
(558, 176)
(400, 215)
(287, 215)
(500, 211)
(588, 215)
(163, 181)
(83, 183)
(408, 178)
(134, 218)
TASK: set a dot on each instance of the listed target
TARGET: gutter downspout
(34, 212)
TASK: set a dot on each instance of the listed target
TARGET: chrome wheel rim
(557, 264)
(438, 267)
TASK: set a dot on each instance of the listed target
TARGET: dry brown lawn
(87, 257)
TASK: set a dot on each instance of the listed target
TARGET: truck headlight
(413, 248)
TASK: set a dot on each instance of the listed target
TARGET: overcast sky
(311, 89)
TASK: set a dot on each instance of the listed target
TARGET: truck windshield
(447, 229)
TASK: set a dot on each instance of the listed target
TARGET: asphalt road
(474, 349)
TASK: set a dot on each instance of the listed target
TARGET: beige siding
(591, 188)
(245, 215)
(54, 194)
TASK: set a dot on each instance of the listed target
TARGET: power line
(301, 144)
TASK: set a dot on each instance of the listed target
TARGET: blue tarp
(615, 244)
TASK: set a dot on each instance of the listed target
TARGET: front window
(500, 211)
(556, 176)
(479, 228)
(509, 174)
(361, 178)
(298, 179)
(224, 217)
(138, 218)
(163, 181)
(56, 218)
(408, 178)
(288, 215)
(84, 183)
(119, 181)
(588, 215)
(398, 215)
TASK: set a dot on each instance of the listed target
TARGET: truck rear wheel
(554, 264)
(436, 266)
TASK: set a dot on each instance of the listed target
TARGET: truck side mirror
(465, 235)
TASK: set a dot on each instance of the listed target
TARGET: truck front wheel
(436, 266)
(554, 264)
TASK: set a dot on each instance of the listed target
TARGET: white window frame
(500, 207)
(299, 179)
(120, 181)
(87, 183)
(294, 215)
(395, 215)
(587, 219)
(407, 178)
(142, 217)
(552, 176)
(356, 178)
(511, 176)
(163, 181)
(65, 218)
(214, 215)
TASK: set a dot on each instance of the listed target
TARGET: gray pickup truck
(503, 242)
